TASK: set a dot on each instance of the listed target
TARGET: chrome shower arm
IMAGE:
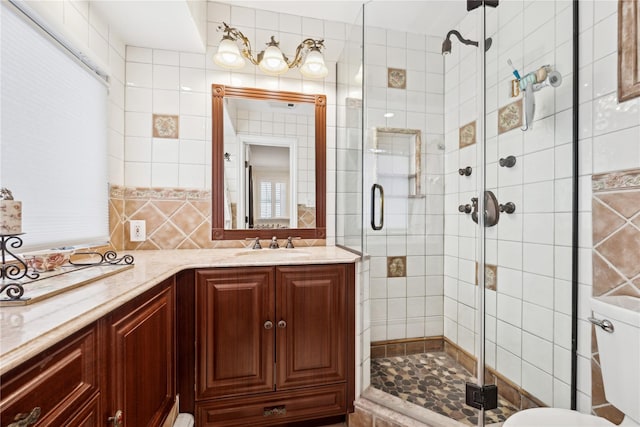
(462, 39)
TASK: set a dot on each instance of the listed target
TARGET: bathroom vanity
(273, 343)
(243, 338)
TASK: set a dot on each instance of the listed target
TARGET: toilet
(619, 347)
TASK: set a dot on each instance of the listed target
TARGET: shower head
(446, 44)
(487, 44)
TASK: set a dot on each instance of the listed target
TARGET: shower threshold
(432, 385)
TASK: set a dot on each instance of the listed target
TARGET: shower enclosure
(427, 142)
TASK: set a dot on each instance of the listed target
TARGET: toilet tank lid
(622, 308)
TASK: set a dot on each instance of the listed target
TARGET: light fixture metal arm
(235, 34)
(306, 43)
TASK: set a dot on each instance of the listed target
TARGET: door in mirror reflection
(270, 164)
(269, 200)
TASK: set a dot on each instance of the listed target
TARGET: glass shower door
(527, 146)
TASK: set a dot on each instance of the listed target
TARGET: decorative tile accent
(406, 346)
(396, 78)
(306, 216)
(629, 179)
(467, 135)
(397, 266)
(176, 218)
(490, 276)
(510, 116)
(354, 103)
(166, 126)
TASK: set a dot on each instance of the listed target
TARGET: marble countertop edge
(26, 331)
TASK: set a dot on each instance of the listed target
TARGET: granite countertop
(27, 330)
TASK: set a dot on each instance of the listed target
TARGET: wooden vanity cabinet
(60, 384)
(274, 344)
(124, 361)
(140, 363)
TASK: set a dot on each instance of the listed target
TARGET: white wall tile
(509, 337)
(139, 54)
(537, 320)
(509, 365)
(539, 352)
(537, 382)
(139, 75)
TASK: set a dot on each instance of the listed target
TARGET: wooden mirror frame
(628, 47)
(218, 232)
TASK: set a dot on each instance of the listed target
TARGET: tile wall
(409, 306)
(179, 83)
(616, 245)
(609, 133)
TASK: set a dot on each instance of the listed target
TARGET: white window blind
(53, 146)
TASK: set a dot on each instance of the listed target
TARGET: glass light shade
(228, 55)
(273, 62)
(314, 65)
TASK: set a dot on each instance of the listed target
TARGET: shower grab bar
(373, 206)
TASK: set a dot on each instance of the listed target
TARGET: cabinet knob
(117, 419)
(23, 420)
(268, 324)
(282, 324)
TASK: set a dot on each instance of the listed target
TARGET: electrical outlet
(138, 230)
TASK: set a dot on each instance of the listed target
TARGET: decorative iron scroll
(14, 272)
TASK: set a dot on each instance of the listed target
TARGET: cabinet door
(141, 358)
(311, 325)
(234, 331)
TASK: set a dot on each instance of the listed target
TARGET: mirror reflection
(269, 164)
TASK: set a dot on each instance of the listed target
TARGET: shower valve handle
(508, 162)
(508, 208)
(464, 208)
(465, 171)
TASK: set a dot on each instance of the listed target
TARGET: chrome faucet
(256, 243)
(290, 243)
(274, 243)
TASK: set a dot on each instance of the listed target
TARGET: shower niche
(398, 155)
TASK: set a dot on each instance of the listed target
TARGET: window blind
(53, 145)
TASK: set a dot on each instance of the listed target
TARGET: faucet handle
(290, 242)
(274, 243)
(256, 243)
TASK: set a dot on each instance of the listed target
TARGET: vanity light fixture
(271, 60)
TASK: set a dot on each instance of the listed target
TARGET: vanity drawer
(319, 402)
(59, 382)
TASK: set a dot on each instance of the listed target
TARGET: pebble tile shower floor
(434, 381)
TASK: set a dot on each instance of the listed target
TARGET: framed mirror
(628, 50)
(268, 164)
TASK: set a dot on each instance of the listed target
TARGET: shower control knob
(464, 208)
(508, 162)
(508, 208)
(465, 171)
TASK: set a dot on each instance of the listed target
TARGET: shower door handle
(373, 206)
